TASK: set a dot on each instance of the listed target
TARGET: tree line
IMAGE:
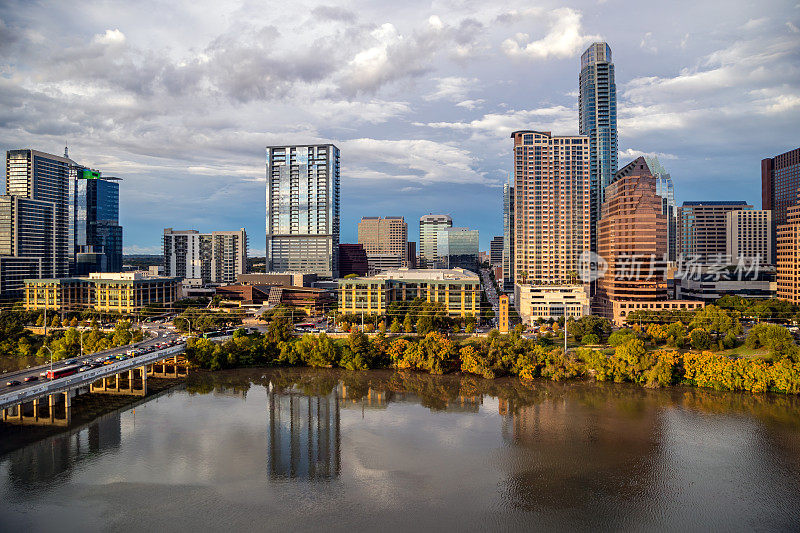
(503, 355)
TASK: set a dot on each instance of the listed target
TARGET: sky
(180, 98)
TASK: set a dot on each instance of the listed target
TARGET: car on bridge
(13, 383)
(31, 378)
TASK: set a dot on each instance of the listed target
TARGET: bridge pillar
(51, 401)
(5, 415)
(36, 410)
(144, 380)
(67, 407)
(116, 382)
(20, 411)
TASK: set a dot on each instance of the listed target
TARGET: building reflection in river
(303, 439)
(46, 461)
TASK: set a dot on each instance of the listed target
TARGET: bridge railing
(84, 378)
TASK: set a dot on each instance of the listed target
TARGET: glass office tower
(44, 177)
(666, 190)
(95, 232)
(303, 209)
(429, 226)
(457, 248)
(597, 108)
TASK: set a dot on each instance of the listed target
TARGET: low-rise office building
(124, 292)
(709, 286)
(551, 301)
(457, 289)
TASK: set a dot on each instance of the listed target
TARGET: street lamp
(51, 358)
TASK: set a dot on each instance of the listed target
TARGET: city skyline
(420, 102)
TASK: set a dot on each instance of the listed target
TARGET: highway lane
(160, 336)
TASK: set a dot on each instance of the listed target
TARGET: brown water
(254, 450)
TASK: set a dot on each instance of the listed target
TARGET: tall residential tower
(429, 226)
(303, 209)
(597, 108)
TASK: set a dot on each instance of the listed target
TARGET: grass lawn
(742, 351)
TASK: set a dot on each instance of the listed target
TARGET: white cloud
(630, 154)
(453, 88)
(564, 38)
(471, 104)
(559, 119)
(110, 37)
(423, 161)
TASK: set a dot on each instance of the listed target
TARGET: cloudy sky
(180, 98)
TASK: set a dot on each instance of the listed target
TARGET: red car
(31, 378)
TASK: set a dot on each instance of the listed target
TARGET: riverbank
(503, 355)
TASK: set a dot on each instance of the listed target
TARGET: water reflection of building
(303, 440)
(45, 461)
(352, 397)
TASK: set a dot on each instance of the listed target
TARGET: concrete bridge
(127, 377)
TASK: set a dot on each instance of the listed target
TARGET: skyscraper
(95, 233)
(597, 109)
(702, 229)
(496, 251)
(457, 248)
(385, 241)
(303, 209)
(551, 205)
(27, 242)
(788, 243)
(631, 242)
(666, 190)
(780, 182)
(429, 226)
(216, 257)
(508, 237)
(44, 177)
(748, 236)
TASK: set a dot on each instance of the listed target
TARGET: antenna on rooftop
(66, 150)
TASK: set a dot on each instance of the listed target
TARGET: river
(301, 449)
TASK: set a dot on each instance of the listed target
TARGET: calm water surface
(327, 450)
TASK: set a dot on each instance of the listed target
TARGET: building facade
(551, 301)
(411, 255)
(44, 177)
(702, 229)
(788, 255)
(124, 292)
(429, 226)
(458, 290)
(748, 238)
(551, 206)
(632, 242)
(352, 260)
(303, 209)
(508, 237)
(95, 233)
(597, 115)
(216, 257)
(27, 242)
(666, 190)
(496, 251)
(384, 236)
(780, 181)
(709, 286)
(458, 248)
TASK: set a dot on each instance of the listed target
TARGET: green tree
(700, 339)
(590, 339)
(408, 325)
(396, 326)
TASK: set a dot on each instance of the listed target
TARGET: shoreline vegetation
(652, 356)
